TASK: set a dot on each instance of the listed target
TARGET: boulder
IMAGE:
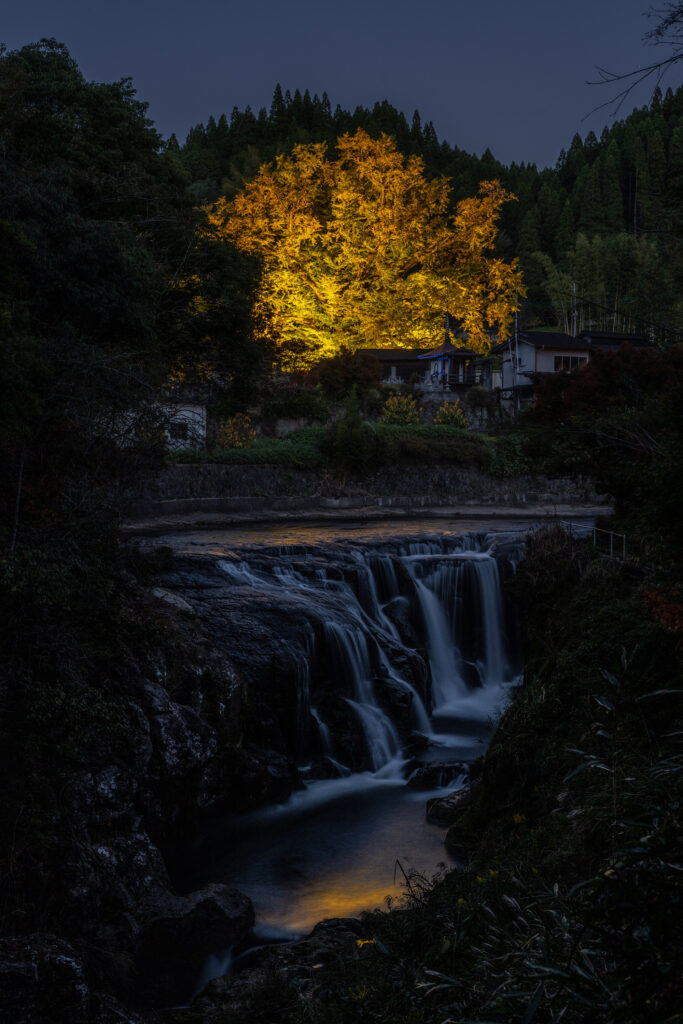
(435, 776)
(448, 809)
(180, 933)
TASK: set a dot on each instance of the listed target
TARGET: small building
(184, 425)
(183, 416)
(398, 365)
(447, 368)
(534, 352)
(450, 368)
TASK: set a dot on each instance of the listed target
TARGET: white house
(184, 425)
(533, 352)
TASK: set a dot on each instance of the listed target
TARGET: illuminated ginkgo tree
(363, 251)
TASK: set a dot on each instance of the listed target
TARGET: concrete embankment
(187, 496)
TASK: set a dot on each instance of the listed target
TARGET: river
(410, 656)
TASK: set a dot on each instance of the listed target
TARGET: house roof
(394, 355)
(614, 339)
(448, 349)
(553, 340)
(547, 340)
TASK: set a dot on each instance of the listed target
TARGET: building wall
(545, 361)
(527, 364)
(185, 426)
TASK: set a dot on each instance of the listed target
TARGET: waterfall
(349, 647)
(446, 680)
(399, 634)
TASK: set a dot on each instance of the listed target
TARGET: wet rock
(434, 776)
(42, 982)
(106, 795)
(449, 809)
(174, 600)
(398, 611)
(288, 970)
(182, 740)
(180, 932)
(323, 768)
(264, 776)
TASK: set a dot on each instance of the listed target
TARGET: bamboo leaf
(609, 677)
(657, 693)
(533, 1005)
(603, 702)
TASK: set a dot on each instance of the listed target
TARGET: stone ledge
(156, 525)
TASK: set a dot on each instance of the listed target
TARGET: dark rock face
(213, 918)
(43, 981)
(122, 803)
(231, 999)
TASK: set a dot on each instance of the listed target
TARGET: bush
(451, 414)
(235, 432)
(509, 456)
(400, 409)
(479, 398)
(296, 403)
(349, 371)
(354, 446)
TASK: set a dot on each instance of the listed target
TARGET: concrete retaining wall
(185, 489)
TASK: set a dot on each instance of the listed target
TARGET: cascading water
(404, 660)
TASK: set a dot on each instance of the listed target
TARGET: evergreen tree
(612, 198)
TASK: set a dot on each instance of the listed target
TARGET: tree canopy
(363, 251)
(628, 181)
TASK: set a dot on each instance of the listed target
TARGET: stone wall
(207, 487)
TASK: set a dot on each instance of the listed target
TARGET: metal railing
(607, 542)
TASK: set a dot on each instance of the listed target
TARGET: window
(569, 362)
(178, 431)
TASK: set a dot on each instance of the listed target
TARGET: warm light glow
(361, 251)
(344, 894)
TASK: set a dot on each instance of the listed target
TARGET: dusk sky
(508, 76)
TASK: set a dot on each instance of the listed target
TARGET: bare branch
(669, 32)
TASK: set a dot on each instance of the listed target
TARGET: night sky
(510, 76)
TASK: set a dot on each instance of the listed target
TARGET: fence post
(623, 546)
(611, 544)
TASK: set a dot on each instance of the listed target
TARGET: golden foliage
(235, 432)
(362, 251)
(451, 414)
(400, 409)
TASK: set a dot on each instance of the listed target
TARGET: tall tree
(362, 251)
(93, 215)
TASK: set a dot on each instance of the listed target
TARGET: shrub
(349, 371)
(400, 409)
(235, 432)
(296, 403)
(352, 445)
(451, 414)
(479, 398)
(509, 456)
